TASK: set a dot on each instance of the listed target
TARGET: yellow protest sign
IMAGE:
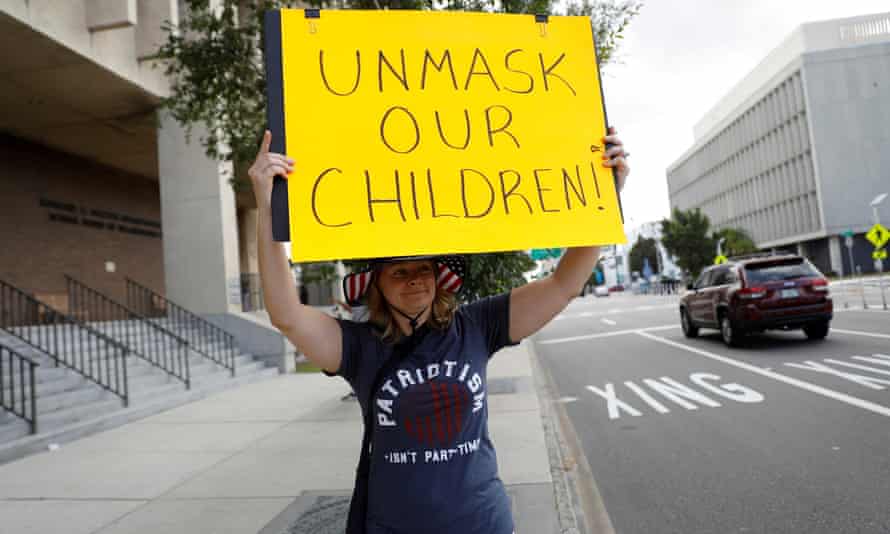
(720, 259)
(878, 235)
(434, 132)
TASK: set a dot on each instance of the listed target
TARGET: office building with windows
(798, 149)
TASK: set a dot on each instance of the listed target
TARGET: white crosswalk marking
(867, 381)
(812, 388)
(880, 359)
(860, 367)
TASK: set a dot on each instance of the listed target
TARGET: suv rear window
(758, 273)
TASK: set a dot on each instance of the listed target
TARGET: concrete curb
(562, 493)
(579, 505)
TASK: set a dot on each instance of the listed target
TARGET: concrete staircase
(69, 406)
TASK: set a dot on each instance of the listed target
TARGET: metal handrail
(91, 306)
(195, 329)
(20, 408)
(68, 342)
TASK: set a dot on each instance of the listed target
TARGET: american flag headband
(450, 273)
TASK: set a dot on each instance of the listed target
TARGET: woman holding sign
(418, 367)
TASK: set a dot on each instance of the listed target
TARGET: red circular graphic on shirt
(435, 412)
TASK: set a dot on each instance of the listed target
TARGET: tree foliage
(213, 58)
(737, 241)
(645, 247)
(490, 274)
(685, 236)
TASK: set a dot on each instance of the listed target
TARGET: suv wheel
(689, 329)
(731, 335)
(816, 330)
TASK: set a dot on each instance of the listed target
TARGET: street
(689, 436)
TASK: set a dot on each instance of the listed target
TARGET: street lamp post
(874, 207)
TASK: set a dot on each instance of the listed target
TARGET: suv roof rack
(751, 256)
(759, 255)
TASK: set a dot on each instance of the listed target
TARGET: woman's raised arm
(535, 304)
(315, 334)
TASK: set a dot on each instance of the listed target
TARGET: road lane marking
(812, 388)
(860, 367)
(613, 404)
(680, 394)
(867, 381)
(860, 333)
(657, 406)
(609, 322)
(880, 359)
(612, 311)
(872, 308)
(606, 334)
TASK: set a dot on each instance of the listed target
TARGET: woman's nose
(415, 278)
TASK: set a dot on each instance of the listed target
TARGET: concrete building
(797, 150)
(96, 181)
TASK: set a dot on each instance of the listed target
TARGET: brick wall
(60, 214)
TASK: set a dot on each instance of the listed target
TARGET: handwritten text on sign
(427, 132)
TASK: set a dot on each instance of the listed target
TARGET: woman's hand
(616, 157)
(264, 169)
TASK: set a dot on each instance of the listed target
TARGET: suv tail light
(750, 293)
(820, 285)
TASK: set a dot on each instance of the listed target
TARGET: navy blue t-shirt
(433, 466)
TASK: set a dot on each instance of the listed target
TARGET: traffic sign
(878, 235)
(848, 234)
(720, 259)
(879, 254)
(538, 254)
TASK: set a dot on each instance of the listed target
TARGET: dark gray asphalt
(740, 452)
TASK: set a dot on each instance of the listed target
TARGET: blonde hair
(443, 308)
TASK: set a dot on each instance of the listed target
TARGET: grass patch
(306, 367)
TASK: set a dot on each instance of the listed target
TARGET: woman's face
(409, 285)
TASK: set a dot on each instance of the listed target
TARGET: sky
(677, 60)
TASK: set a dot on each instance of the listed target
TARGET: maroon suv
(756, 294)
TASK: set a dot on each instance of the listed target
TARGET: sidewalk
(274, 457)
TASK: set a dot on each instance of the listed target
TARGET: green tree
(737, 241)
(685, 235)
(214, 61)
(644, 248)
(323, 273)
(490, 274)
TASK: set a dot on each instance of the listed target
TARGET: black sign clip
(311, 14)
(542, 19)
